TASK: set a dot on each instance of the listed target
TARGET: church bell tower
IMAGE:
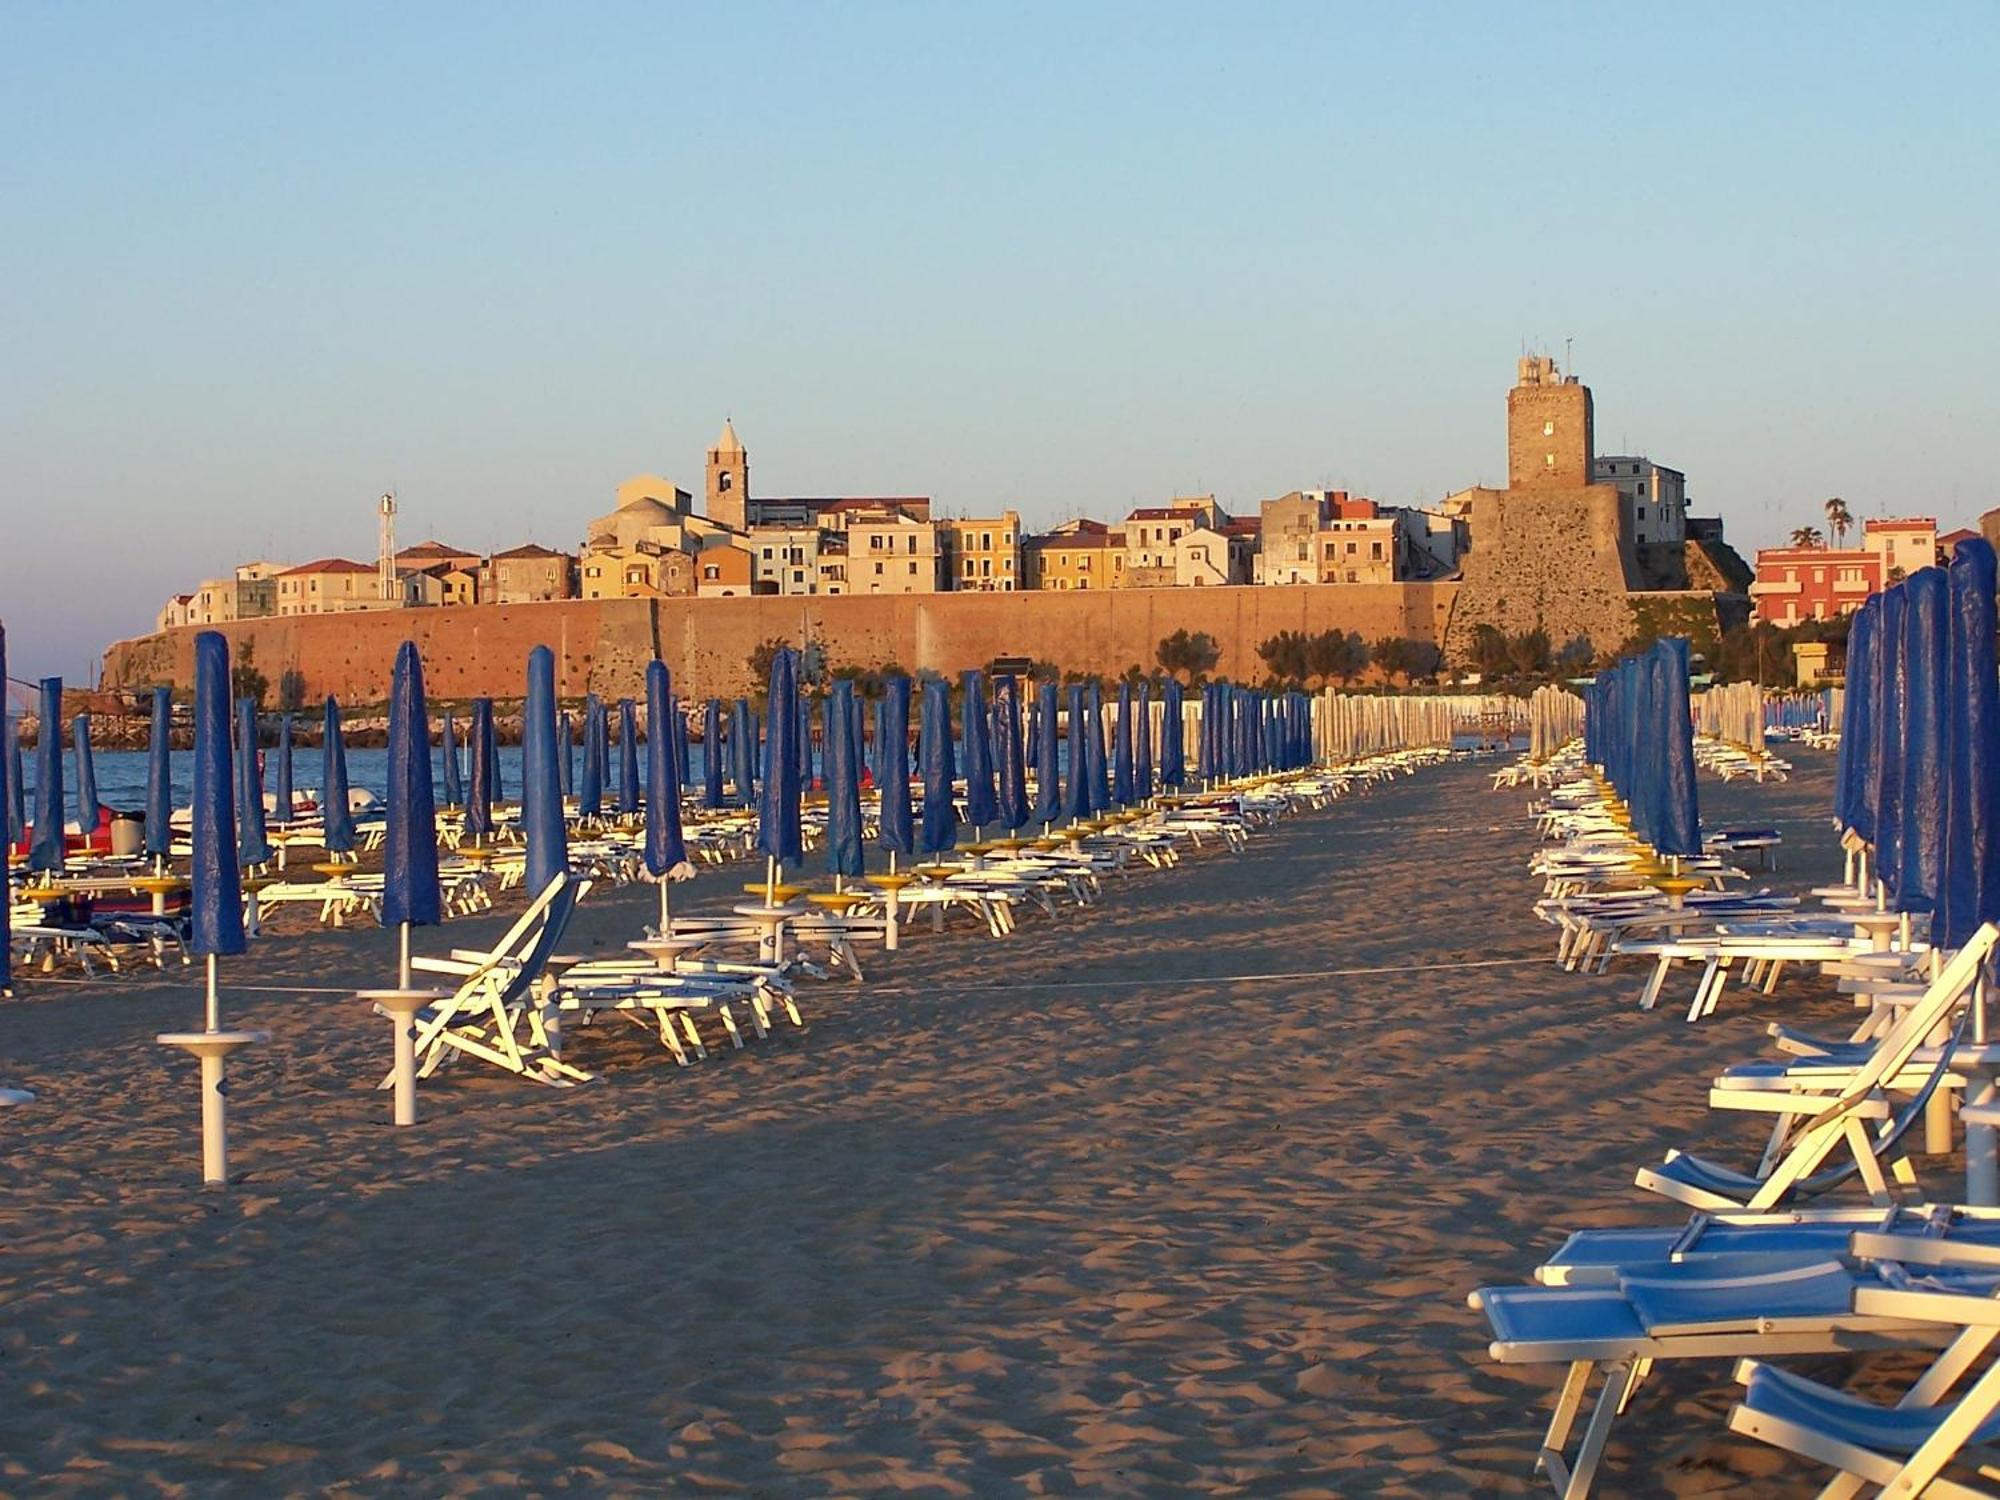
(729, 481)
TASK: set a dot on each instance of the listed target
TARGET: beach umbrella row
(1916, 768)
(1640, 733)
(1734, 713)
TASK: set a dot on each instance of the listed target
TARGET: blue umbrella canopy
(666, 848)
(628, 757)
(590, 791)
(1076, 787)
(981, 805)
(216, 920)
(160, 777)
(565, 753)
(480, 793)
(934, 758)
(253, 846)
(335, 812)
(454, 785)
(410, 892)
(47, 850)
(1142, 742)
(843, 784)
(743, 753)
(1121, 749)
(892, 768)
(541, 787)
(1009, 753)
(1048, 754)
(1173, 735)
(283, 783)
(1097, 774)
(1970, 891)
(86, 776)
(779, 834)
(711, 754)
(1926, 644)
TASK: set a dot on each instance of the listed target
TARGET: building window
(710, 570)
(1548, 429)
(913, 570)
(1548, 460)
(878, 570)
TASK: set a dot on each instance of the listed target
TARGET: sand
(1179, 1195)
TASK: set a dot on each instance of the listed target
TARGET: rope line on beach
(1030, 984)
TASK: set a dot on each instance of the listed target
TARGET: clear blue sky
(261, 262)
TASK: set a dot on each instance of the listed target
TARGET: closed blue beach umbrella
(479, 792)
(892, 773)
(1098, 772)
(1173, 735)
(1121, 749)
(934, 759)
(1892, 703)
(1926, 646)
(628, 757)
(282, 784)
(565, 753)
(17, 788)
(216, 925)
(496, 784)
(590, 790)
(10, 772)
(711, 754)
(335, 811)
(411, 896)
(981, 805)
(1009, 753)
(541, 782)
(1076, 786)
(683, 763)
(160, 777)
(86, 777)
(743, 754)
(47, 850)
(665, 847)
(1679, 823)
(844, 857)
(805, 743)
(1048, 755)
(454, 784)
(779, 834)
(253, 846)
(1970, 892)
(1142, 742)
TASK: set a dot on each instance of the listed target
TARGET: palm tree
(1808, 536)
(1838, 519)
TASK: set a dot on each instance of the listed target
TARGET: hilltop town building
(982, 553)
(1821, 583)
(1655, 498)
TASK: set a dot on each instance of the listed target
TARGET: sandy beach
(1181, 1194)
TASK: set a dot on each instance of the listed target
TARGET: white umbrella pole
(403, 955)
(666, 911)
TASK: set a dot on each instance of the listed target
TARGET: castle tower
(1550, 442)
(729, 481)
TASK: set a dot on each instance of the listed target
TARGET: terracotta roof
(1157, 513)
(328, 565)
(1243, 526)
(530, 549)
(434, 548)
(1953, 538)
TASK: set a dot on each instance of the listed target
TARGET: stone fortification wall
(603, 646)
(1549, 559)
